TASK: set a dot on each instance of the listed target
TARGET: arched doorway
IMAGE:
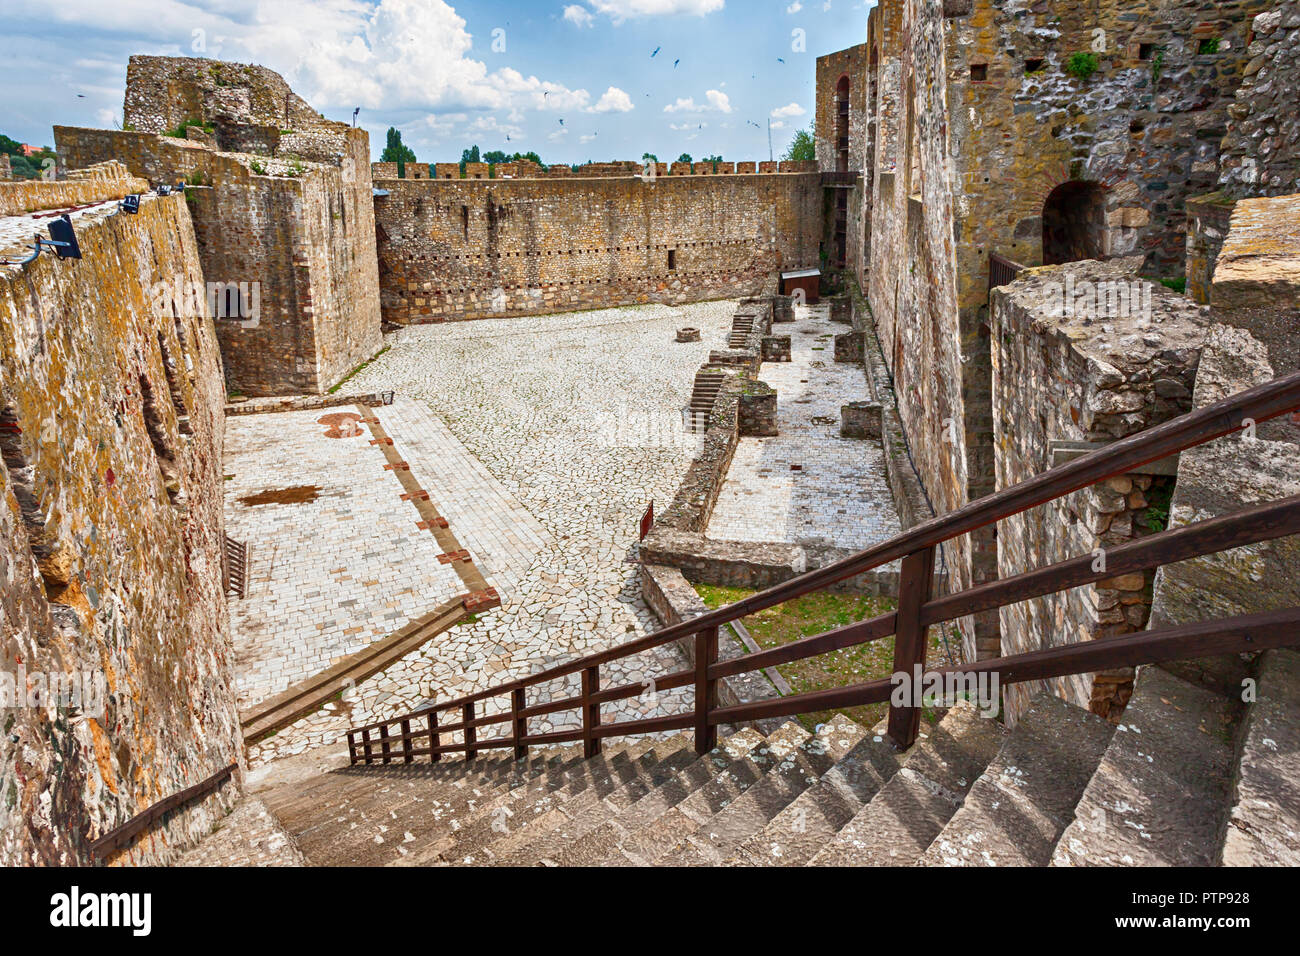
(1074, 223)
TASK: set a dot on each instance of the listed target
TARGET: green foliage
(685, 158)
(470, 155)
(649, 158)
(180, 131)
(395, 151)
(803, 147)
(1082, 65)
(258, 167)
(1159, 500)
(1157, 65)
(1178, 285)
(1209, 47)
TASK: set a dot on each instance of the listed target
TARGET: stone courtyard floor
(808, 485)
(542, 440)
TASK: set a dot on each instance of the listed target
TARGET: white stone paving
(577, 419)
(329, 577)
(840, 495)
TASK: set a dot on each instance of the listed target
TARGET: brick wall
(473, 249)
(111, 539)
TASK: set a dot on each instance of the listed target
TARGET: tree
(649, 158)
(803, 147)
(471, 155)
(496, 157)
(685, 158)
(396, 151)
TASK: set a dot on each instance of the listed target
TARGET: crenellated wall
(468, 249)
(111, 536)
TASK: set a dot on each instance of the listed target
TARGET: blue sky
(457, 73)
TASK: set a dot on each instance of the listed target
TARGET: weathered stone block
(776, 348)
(861, 420)
(756, 414)
(849, 348)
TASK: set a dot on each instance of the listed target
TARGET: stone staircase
(704, 394)
(1187, 778)
(742, 327)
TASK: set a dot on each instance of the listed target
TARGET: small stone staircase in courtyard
(1185, 779)
(708, 383)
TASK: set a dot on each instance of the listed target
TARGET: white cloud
(794, 8)
(778, 124)
(620, 10)
(587, 138)
(578, 16)
(718, 102)
(415, 54)
(614, 101)
(786, 112)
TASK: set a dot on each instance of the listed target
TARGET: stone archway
(1074, 223)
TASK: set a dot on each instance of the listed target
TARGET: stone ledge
(299, 403)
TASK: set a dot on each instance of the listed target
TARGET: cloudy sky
(458, 73)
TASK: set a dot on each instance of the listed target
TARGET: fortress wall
(1261, 154)
(302, 231)
(111, 539)
(468, 249)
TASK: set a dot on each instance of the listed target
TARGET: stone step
(1264, 821)
(505, 844)
(390, 821)
(601, 845)
(670, 828)
(249, 836)
(481, 825)
(1018, 808)
(1160, 794)
(545, 841)
(795, 769)
(801, 830)
(912, 808)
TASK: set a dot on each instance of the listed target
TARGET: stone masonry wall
(468, 249)
(111, 538)
(848, 209)
(1261, 153)
(1120, 359)
(286, 205)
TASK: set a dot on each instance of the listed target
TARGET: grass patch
(357, 371)
(815, 614)
(180, 131)
(1082, 65)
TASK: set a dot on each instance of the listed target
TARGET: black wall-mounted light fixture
(130, 204)
(63, 241)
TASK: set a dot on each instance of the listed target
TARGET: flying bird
(675, 62)
(656, 52)
(779, 60)
(561, 122)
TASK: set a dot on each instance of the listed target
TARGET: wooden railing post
(385, 747)
(406, 742)
(434, 740)
(471, 735)
(909, 641)
(365, 744)
(590, 712)
(520, 723)
(706, 690)
(352, 747)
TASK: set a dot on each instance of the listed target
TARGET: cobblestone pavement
(543, 440)
(328, 576)
(839, 494)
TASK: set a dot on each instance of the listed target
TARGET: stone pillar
(848, 348)
(776, 348)
(862, 420)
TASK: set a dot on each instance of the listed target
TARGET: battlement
(620, 170)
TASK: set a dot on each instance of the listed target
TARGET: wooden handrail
(917, 609)
(117, 838)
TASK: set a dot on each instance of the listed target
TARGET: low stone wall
(673, 600)
(23, 196)
(1261, 153)
(1077, 366)
(300, 403)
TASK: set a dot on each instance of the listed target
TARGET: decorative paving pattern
(336, 560)
(808, 485)
(542, 440)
